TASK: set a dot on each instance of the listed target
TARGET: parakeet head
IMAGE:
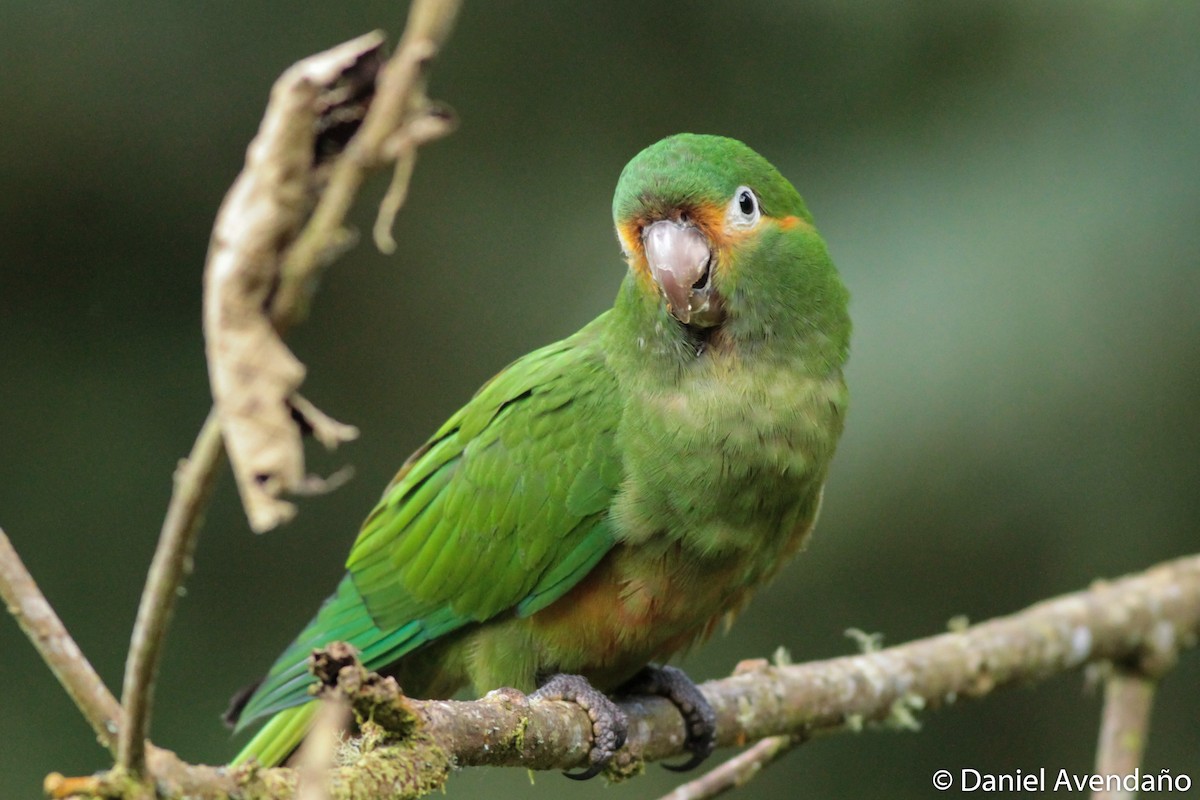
(702, 218)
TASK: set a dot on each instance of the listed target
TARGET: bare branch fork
(333, 118)
(269, 244)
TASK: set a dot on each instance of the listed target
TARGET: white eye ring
(743, 211)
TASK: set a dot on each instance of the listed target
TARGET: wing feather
(504, 509)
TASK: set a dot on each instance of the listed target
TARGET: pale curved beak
(680, 261)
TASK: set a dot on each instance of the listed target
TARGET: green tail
(279, 737)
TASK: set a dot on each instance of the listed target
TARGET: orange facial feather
(787, 223)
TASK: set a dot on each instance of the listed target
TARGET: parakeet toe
(609, 725)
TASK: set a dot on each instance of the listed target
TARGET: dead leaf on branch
(315, 109)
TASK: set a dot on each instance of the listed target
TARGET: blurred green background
(1011, 190)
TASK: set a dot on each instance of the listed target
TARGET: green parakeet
(604, 502)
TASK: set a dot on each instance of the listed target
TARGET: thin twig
(43, 627)
(735, 772)
(400, 87)
(194, 480)
(49, 636)
(1124, 726)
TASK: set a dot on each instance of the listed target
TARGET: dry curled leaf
(315, 109)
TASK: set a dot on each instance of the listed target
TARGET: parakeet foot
(699, 719)
(609, 726)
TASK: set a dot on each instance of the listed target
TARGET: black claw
(587, 774)
(609, 726)
(699, 719)
(696, 760)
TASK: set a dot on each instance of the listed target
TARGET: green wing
(504, 508)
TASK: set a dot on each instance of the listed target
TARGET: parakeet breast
(724, 467)
(730, 454)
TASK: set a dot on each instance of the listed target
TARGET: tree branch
(387, 135)
(194, 480)
(737, 771)
(56, 647)
(45, 630)
(1153, 612)
(267, 181)
(262, 267)
(1124, 726)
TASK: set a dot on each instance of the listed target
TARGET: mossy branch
(1140, 621)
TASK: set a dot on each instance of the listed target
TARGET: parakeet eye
(743, 209)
